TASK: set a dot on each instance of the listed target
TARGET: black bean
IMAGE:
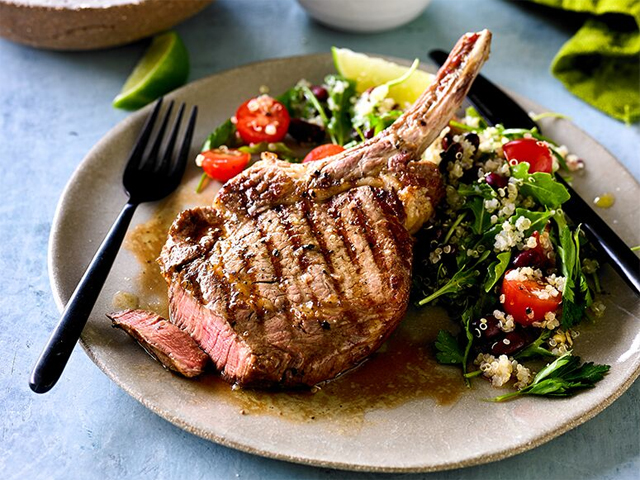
(320, 92)
(530, 258)
(488, 333)
(473, 139)
(306, 132)
(450, 155)
(510, 343)
(446, 141)
(496, 180)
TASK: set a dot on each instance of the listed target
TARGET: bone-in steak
(297, 272)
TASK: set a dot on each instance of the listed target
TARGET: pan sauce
(404, 369)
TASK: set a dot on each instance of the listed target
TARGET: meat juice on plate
(403, 369)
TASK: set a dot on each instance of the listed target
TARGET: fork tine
(181, 160)
(165, 162)
(151, 161)
(135, 157)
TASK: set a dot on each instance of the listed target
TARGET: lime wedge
(164, 66)
(370, 72)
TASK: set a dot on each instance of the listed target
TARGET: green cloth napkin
(601, 62)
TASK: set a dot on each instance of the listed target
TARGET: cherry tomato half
(522, 299)
(223, 164)
(535, 152)
(262, 119)
(323, 151)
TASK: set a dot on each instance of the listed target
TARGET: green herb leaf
(448, 350)
(223, 135)
(496, 270)
(541, 186)
(480, 189)
(300, 103)
(568, 255)
(539, 220)
(462, 278)
(481, 218)
(562, 378)
(280, 148)
(461, 126)
(340, 90)
(535, 348)
(473, 113)
(576, 297)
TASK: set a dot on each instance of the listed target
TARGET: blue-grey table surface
(55, 106)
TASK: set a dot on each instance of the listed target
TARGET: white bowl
(364, 15)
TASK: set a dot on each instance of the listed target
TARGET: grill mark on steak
(294, 292)
(274, 262)
(221, 287)
(364, 256)
(343, 250)
(328, 260)
(391, 207)
(316, 271)
(374, 240)
(256, 269)
(293, 242)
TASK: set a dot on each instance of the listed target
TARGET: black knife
(497, 107)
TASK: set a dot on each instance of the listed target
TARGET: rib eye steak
(297, 272)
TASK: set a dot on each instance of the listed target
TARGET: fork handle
(66, 333)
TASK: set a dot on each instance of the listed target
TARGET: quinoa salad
(506, 263)
(515, 275)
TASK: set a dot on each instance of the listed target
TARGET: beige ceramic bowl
(364, 16)
(90, 24)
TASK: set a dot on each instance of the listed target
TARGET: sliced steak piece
(297, 272)
(164, 341)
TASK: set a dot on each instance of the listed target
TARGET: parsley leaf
(562, 378)
(449, 351)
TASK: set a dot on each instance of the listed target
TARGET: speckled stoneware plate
(370, 427)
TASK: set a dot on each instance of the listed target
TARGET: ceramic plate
(440, 427)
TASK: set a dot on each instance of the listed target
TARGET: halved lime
(164, 66)
(370, 72)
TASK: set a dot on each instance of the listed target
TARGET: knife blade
(497, 107)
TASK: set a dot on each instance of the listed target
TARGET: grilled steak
(297, 272)
(164, 341)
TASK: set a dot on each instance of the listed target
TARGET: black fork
(147, 177)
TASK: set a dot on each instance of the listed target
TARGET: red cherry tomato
(262, 119)
(223, 164)
(522, 299)
(323, 151)
(532, 151)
